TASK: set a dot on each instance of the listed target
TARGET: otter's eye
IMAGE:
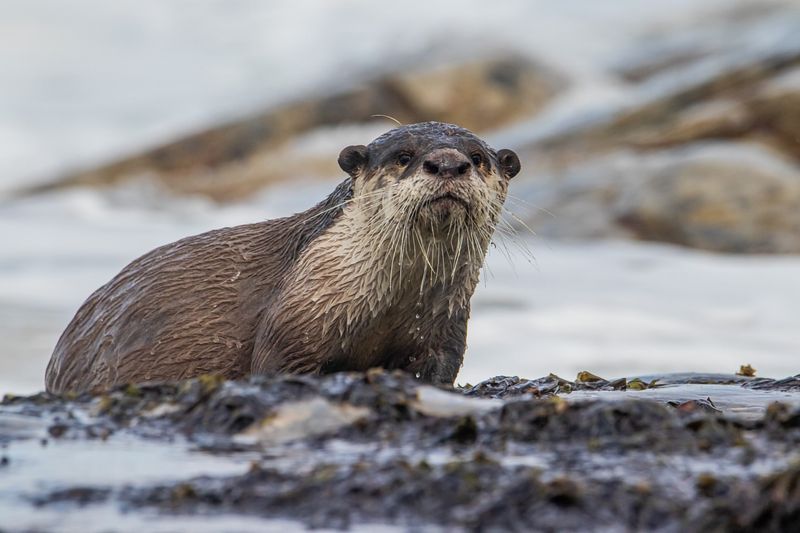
(404, 159)
(477, 159)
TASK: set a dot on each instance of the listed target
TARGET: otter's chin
(448, 203)
(443, 211)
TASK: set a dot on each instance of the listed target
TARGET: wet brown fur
(341, 286)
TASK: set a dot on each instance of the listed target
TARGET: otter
(378, 274)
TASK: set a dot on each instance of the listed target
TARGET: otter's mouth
(448, 200)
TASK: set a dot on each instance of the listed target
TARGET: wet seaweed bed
(681, 452)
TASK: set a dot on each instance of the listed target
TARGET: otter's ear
(509, 163)
(353, 159)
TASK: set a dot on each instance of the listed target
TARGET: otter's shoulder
(286, 236)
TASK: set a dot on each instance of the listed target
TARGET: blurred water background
(660, 143)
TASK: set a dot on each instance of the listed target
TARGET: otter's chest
(400, 332)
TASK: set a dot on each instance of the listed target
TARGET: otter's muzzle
(447, 164)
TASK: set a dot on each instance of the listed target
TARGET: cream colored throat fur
(364, 266)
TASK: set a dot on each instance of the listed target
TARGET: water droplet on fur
(412, 359)
(417, 375)
(421, 337)
(416, 316)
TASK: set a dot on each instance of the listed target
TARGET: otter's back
(181, 310)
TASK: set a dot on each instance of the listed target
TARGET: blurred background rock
(124, 125)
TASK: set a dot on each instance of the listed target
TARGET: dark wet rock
(770, 504)
(476, 494)
(777, 507)
(627, 424)
(73, 495)
(512, 386)
(782, 417)
(786, 384)
(506, 454)
(699, 378)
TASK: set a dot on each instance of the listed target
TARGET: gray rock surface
(727, 197)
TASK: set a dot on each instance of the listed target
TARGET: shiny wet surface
(676, 452)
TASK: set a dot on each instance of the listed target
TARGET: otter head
(432, 179)
(429, 196)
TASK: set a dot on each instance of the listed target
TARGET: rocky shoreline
(696, 143)
(671, 453)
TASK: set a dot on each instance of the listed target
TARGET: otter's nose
(446, 164)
